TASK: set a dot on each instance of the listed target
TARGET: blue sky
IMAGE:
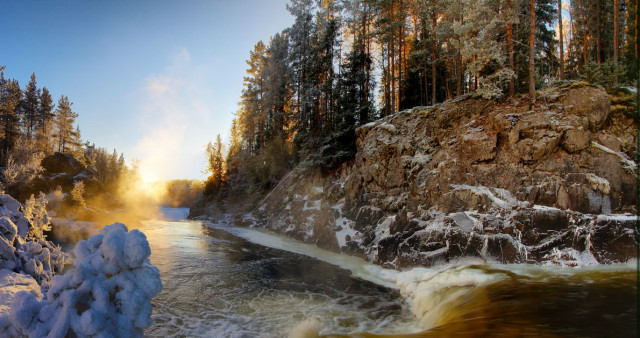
(155, 79)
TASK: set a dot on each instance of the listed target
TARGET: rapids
(225, 281)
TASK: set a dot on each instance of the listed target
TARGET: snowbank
(108, 292)
(23, 247)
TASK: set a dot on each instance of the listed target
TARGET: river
(223, 281)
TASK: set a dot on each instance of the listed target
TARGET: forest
(33, 129)
(344, 63)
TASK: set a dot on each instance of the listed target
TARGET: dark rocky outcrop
(514, 182)
(58, 170)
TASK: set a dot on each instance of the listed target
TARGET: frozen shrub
(108, 293)
(35, 210)
(77, 194)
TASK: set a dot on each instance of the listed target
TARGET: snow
(599, 183)
(345, 230)
(502, 198)
(388, 127)
(370, 125)
(545, 208)
(617, 217)
(358, 266)
(107, 293)
(570, 257)
(627, 164)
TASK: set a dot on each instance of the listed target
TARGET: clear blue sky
(155, 80)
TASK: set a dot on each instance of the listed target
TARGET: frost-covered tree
(77, 194)
(35, 210)
(23, 163)
(481, 47)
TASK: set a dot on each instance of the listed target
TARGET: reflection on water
(219, 285)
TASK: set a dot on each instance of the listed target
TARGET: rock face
(513, 182)
(59, 170)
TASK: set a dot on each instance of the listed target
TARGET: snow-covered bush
(23, 163)
(23, 247)
(77, 194)
(108, 293)
(35, 210)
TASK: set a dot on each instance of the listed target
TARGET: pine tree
(10, 98)
(277, 86)
(300, 56)
(252, 104)
(67, 138)
(215, 166)
(30, 108)
(44, 122)
(532, 39)
(560, 31)
(632, 40)
(481, 49)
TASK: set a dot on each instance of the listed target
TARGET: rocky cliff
(552, 182)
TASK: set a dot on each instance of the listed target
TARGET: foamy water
(219, 284)
(223, 281)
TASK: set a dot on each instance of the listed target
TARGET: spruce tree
(64, 120)
(30, 108)
(10, 98)
(44, 122)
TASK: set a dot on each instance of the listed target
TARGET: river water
(223, 281)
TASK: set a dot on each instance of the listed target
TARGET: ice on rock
(108, 293)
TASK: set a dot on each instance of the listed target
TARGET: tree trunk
(598, 34)
(512, 81)
(532, 39)
(616, 32)
(561, 40)
(584, 34)
(433, 73)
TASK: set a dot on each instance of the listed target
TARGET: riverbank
(509, 182)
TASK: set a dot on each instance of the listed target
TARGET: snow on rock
(107, 293)
(11, 284)
(10, 208)
(627, 164)
(23, 247)
(508, 182)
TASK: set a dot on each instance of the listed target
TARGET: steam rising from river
(176, 108)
